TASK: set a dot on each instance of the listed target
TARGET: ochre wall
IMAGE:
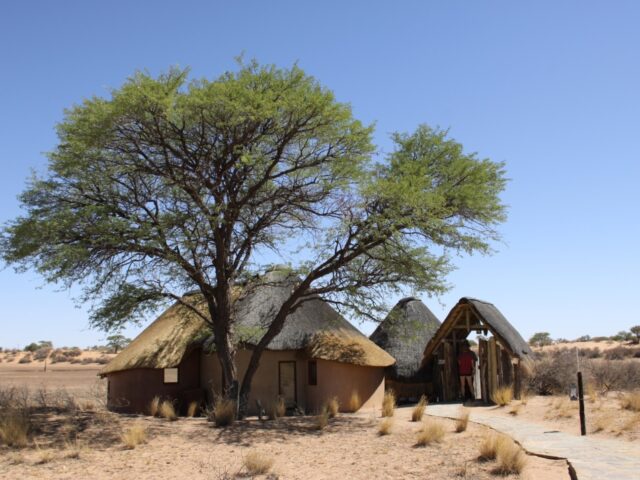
(131, 391)
(334, 379)
(265, 381)
(341, 380)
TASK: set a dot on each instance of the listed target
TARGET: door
(287, 383)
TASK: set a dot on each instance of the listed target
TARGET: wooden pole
(583, 426)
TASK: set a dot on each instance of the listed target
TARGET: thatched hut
(501, 350)
(317, 355)
(403, 334)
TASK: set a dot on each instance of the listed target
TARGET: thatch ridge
(314, 326)
(490, 315)
(404, 333)
(164, 343)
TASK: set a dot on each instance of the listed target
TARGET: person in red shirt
(466, 368)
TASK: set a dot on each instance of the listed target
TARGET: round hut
(317, 355)
(404, 333)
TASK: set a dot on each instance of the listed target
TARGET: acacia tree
(170, 185)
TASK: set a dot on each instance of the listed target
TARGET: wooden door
(287, 383)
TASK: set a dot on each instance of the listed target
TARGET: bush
(388, 403)
(14, 428)
(224, 412)
(59, 358)
(257, 464)
(154, 406)
(462, 421)
(32, 347)
(432, 431)
(354, 401)
(502, 395)
(134, 436)
(418, 410)
(631, 401)
(42, 353)
(385, 426)
(511, 458)
(74, 352)
(102, 360)
(321, 420)
(25, 359)
(167, 411)
(618, 353)
(333, 406)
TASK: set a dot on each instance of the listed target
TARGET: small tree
(169, 186)
(117, 342)
(540, 339)
(636, 331)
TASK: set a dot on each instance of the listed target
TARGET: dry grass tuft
(592, 393)
(511, 458)
(502, 396)
(321, 420)
(167, 411)
(14, 428)
(631, 401)
(463, 420)
(524, 399)
(256, 463)
(388, 403)
(280, 408)
(432, 431)
(562, 407)
(73, 449)
(602, 422)
(224, 412)
(418, 410)
(355, 402)
(490, 445)
(44, 456)
(631, 424)
(154, 406)
(385, 426)
(332, 407)
(192, 409)
(134, 436)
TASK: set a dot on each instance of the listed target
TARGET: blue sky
(551, 88)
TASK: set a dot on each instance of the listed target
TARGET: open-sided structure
(317, 355)
(403, 334)
(501, 350)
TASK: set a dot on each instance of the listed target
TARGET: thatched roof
(164, 343)
(490, 316)
(404, 333)
(314, 326)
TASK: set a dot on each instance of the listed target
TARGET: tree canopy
(171, 185)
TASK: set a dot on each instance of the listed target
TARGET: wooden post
(583, 426)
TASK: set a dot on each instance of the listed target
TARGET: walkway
(591, 458)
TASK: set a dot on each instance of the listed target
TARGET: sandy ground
(86, 442)
(604, 415)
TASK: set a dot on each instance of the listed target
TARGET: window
(313, 372)
(170, 375)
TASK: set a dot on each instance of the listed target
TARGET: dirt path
(591, 458)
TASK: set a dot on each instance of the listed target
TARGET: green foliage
(42, 344)
(117, 342)
(636, 331)
(540, 339)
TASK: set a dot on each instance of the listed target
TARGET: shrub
(74, 352)
(59, 358)
(192, 409)
(618, 353)
(432, 431)
(42, 353)
(502, 395)
(102, 360)
(388, 403)
(154, 406)
(354, 401)
(463, 420)
(224, 412)
(418, 410)
(25, 359)
(134, 436)
(385, 426)
(511, 458)
(167, 411)
(490, 445)
(333, 406)
(14, 428)
(631, 401)
(256, 463)
(321, 420)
